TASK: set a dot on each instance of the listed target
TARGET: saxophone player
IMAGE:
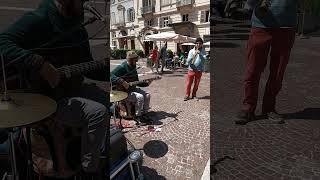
(273, 30)
(196, 58)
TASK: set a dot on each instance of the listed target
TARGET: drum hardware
(116, 97)
(18, 110)
(134, 158)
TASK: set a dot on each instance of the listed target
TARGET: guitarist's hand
(49, 73)
(125, 85)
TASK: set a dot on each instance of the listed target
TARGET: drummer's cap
(132, 55)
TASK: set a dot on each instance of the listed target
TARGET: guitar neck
(78, 69)
(142, 81)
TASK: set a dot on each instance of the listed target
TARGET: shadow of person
(307, 113)
(156, 116)
(150, 173)
(155, 149)
(204, 97)
(225, 45)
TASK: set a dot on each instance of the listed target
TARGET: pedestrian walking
(155, 59)
(163, 56)
(196, 58)
(273, 29)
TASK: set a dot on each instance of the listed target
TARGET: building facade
(185, 17)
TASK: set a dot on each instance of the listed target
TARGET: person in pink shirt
(155, 58)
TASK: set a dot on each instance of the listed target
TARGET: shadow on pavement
(308, 113)
(225, 31)
(159, 115)
(243, 26)
(237, 36)
(204, 97)
(176, 75)
(155, 149)
(150, 173)
(225, 45)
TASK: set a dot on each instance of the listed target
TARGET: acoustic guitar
(133, 84)
(37, 85)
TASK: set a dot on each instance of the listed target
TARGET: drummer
(125, 73)
(80, 106)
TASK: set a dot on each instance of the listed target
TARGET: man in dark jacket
(42, 41)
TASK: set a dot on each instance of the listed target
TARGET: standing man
(273, 29)
(163, 56)
(123, 75)
(40, 42)
(196, 58)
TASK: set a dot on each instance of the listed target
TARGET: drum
(44, 149)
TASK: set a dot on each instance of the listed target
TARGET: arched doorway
(148, 46)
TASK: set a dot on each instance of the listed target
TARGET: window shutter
(202, 16)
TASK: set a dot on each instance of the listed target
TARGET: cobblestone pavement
(181, 150)
(263, 150)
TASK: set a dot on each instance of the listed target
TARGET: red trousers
(279, 42)
(196, 76)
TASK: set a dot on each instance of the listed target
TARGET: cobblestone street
(263, 150)
(181, 150)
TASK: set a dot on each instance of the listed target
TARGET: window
(121, 15)
(204, 17)
(114, 34)
(113, 16)
(149, 22)
(185, 17)
(164, 22)
(165, 2)
(114, 43)
(147, 3)
(131, 15)
(113, 1)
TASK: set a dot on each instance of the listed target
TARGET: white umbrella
(188, 44)
(169, 37)
(207, 43)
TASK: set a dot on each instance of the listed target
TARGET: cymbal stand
(14, 173)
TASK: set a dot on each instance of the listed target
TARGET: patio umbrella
(169, 37)
(188, 44)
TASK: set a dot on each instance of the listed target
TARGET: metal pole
(13, 157)
(132, 171)
(29, 170)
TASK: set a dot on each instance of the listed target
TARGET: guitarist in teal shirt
(122, 76)
(38, 44)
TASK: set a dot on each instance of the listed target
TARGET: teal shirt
(199, 62)
(283, 13)
(125, 72)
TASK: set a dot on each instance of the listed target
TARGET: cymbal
(24, 109)
(116, 96)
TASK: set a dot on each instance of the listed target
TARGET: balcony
(120, 24)
(147, 10)
(181, 3)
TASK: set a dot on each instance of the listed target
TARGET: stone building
(185, 17)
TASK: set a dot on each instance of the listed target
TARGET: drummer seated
(125, 73)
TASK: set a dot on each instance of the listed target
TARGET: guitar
(36, 84)
(141, 83)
